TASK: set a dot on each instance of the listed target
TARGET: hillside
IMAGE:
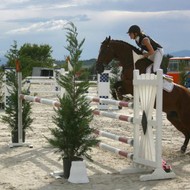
(182, 53)
(86, 63)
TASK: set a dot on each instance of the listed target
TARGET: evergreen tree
(72, 136)
(11, 109)
(12, 55)
(30, 55)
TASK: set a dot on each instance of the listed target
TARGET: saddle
(137, 57)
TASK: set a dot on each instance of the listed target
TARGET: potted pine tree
(11, 109)
(72, 136)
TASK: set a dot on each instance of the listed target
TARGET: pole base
(11, 145)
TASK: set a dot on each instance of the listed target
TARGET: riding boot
(152, 70)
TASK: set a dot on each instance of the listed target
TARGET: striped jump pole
(57, 104)
(111, 102)
(114, 116)
(40, 100)
(114, 137)
(115, 150)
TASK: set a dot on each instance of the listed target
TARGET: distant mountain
(182, 53)
(86, 63)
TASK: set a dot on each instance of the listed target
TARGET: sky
(44, 22)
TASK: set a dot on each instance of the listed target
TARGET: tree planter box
(78, 173)
(67, 166)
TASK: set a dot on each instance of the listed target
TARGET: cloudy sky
(43, 22)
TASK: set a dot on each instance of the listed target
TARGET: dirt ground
(25, 168)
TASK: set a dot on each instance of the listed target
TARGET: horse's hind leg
(184, 147)
(114, 94)
(174, 119)
(122, 88)
(117, 91)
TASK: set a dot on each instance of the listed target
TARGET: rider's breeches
(157, 60)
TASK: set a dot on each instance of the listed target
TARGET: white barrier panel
(48, 84)
(103, 88)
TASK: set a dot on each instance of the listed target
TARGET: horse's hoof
(183, 149)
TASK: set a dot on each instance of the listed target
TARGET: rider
(151, 49)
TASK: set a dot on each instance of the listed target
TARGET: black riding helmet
(134, 29)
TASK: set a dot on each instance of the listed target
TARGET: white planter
(78, 173)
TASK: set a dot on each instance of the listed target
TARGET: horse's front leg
(122, 88)
(118, 91)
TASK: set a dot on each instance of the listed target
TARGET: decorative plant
(11, 109)
(72, 136)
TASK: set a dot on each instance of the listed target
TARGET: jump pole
(20, 129)
(19, 76)
(114, 137)
(111, 102)
(57, 104)
(116, 150)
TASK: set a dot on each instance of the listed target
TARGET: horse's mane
(133, 47)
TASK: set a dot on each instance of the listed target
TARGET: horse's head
(106, 55)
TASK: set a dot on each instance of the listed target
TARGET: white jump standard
(147, 146)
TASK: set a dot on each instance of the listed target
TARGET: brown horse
(176, 104)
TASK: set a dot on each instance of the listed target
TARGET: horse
(176, 104)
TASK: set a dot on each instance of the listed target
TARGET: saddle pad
(168, 86)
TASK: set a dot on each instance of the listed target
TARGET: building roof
(180, 58)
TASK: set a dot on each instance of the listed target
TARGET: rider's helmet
(134, 29)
